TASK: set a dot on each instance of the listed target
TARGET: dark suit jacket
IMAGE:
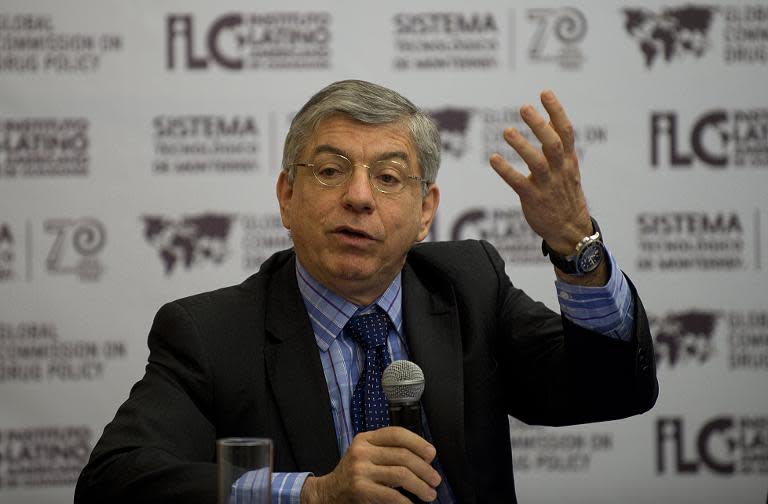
(242, 361)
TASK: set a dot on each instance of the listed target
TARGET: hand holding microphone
(403, 384)
(373, 455)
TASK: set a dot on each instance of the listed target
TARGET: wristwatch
(590, 252)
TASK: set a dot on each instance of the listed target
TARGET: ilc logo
(182, 27)
(723, 445)
(237, 41)
(665, 125)
(717, 138)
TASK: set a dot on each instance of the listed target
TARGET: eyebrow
(384, 155)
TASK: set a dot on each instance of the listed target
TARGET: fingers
(556, 137)
(551, 144)
(516, 180)
(403, 438)
(407, 452)
(401, 477)
(551, 196)
(403, 459)
(533, 157)
(394, 457)
(559, 120)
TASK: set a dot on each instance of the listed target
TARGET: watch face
(590, 257)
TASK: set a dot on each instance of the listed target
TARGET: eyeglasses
(388, 176)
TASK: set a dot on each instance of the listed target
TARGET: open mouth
(354, 233)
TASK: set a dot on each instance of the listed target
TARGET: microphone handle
(408, 416)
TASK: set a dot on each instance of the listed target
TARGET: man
(279, 356)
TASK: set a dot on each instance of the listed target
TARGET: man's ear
(284, 191)
(429, 206)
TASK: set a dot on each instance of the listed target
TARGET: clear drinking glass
(248, 460)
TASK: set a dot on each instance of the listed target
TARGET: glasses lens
(388, 176)
(331, 169)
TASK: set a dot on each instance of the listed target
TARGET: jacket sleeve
(160, 447)
(561, 374)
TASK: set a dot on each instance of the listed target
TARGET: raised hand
(551, 195)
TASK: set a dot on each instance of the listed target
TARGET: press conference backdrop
(140, 143)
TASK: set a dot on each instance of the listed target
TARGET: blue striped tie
(370, 409)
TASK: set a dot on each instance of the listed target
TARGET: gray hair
(370, 104)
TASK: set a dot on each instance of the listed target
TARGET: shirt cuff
(606, 310)
(286, 487)
(250, 487)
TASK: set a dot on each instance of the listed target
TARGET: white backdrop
(140, 143)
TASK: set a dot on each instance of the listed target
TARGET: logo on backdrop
(496, 120)
(44, 147)
(505, 228)
(748, 340)
(33, 352)
(685, 33)
(32, 43)
(684, 337)
(746, 34)
(39, 457)
(250, 41)
(190, 241)
(672, 34)
(75, 248)
(542, 450)
(716, 138)
(194, 144)
(195, 240)
(445, 41)
(695, 337)
(724, 445)
(7, 252)
(452, 123)
(263, 235)
(704, 241)
(463, 129)
(557, 37)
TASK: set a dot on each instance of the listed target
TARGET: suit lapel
(432, 330)
(296, 376)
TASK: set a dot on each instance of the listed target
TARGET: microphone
(403, 384)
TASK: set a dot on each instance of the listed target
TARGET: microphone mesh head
(403, 382)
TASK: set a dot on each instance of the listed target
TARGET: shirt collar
(329, 313)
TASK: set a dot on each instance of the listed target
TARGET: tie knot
(369, 330)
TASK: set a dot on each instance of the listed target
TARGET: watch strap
(570, 264)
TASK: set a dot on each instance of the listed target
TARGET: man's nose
(359, 193)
